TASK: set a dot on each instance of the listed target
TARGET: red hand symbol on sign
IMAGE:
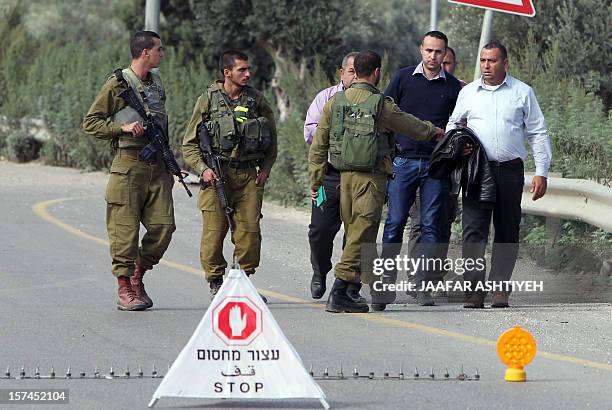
(237, 319)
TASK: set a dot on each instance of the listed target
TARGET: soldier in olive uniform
(356, 128)
(137, 191)
(243, 134)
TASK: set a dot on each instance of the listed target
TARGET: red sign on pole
(237, 321)
(520, 7)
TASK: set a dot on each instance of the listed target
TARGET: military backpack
(355, 141)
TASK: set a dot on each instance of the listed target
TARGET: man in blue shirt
(429, 93)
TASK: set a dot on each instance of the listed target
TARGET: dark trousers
(506, 213)
(324, 224)
(447, 217)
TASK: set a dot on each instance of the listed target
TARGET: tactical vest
(237, 130)
(355, 143)
(152, 97)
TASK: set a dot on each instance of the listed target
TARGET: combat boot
(215, 285)
(352, 291)
(138, 286)
(381, 298)
(127, 296)
(339, 301)
(318, 285)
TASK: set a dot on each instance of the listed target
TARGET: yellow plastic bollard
(516, 348)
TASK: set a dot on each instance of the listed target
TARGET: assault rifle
(158, 142)
(212, 160)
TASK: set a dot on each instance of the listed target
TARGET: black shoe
(318, 285)
(424, 299)
(352, 291)
(378, 307)
(215, 285)
(500, 300)
(339, 301)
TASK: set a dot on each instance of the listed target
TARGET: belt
(133, 154)
(515, 161)
(240, 164)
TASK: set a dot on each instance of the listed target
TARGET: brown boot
(127, 297)
(138, 286)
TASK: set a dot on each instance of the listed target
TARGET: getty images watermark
(387, 270)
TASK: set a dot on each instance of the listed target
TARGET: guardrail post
(553, 228)
(553, 225)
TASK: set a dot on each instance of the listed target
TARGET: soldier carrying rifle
(230, 142)
(139, 188)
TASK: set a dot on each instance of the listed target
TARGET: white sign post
(520, 7)
(238, 351)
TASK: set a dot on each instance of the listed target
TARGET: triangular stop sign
(238, 351)
(520, 7)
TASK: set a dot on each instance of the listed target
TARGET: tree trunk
(282, 99)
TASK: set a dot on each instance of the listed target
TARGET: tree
(394, 27)
(283, 31)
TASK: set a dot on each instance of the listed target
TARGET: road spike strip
(326, 375)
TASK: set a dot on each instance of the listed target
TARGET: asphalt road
(57, 308)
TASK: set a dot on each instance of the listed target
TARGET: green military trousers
(362, 195)
(245, 198)
(138, 191)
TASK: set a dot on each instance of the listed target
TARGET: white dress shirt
(502, 117)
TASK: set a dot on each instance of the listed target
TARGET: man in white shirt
(503, 112)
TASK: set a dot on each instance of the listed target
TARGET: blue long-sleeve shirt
(430, 100)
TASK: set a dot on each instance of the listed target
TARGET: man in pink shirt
(325, 220)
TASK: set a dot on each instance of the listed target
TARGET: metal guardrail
(572, 199)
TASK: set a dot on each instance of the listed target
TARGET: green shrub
(578, 125)
(22, 147)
